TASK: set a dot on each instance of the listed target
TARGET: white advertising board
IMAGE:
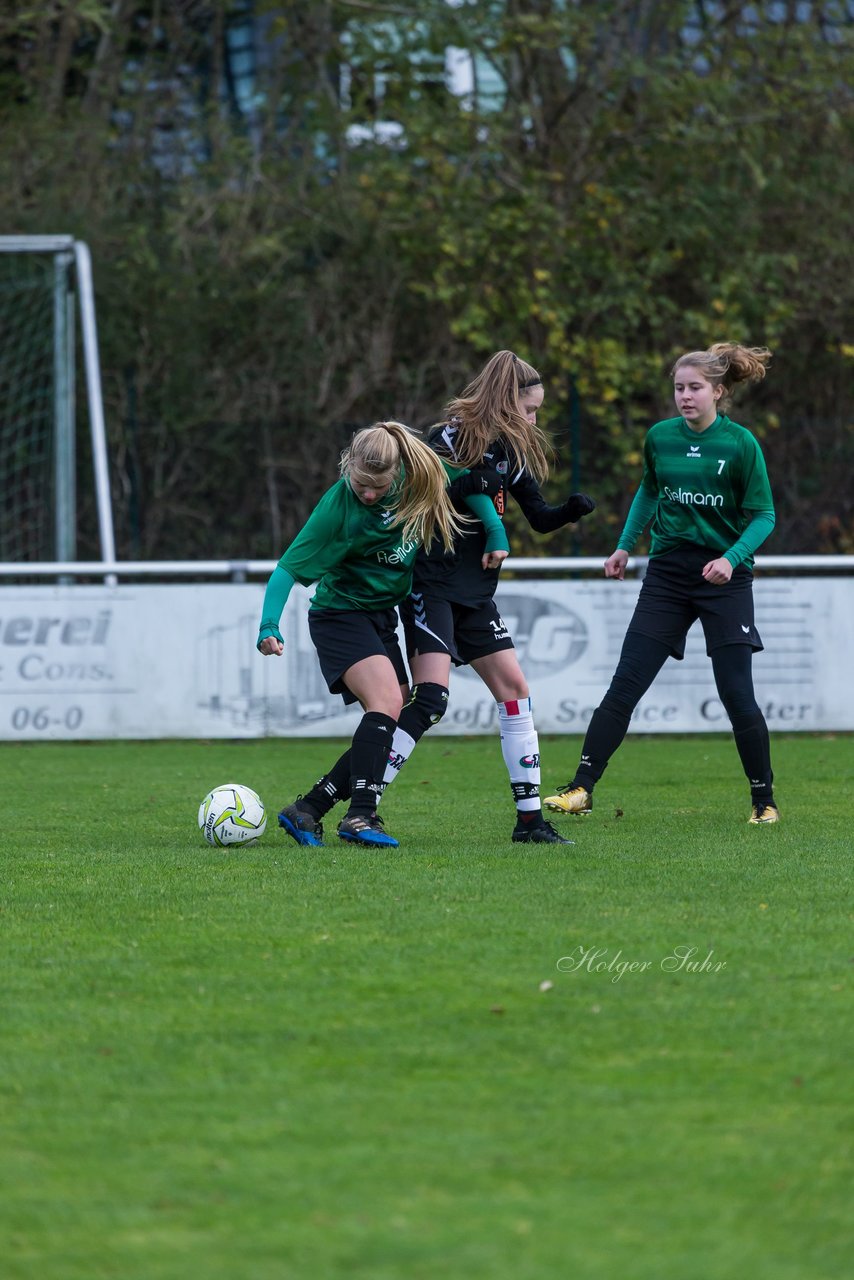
(180, 661)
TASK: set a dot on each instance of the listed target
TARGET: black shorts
(343, 637)
(432, 625)
(675, 594)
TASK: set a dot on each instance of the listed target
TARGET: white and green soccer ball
(232, 814)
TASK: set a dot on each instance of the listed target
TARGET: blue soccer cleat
(301, 826)
(359, 829)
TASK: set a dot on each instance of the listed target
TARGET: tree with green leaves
(306, 216)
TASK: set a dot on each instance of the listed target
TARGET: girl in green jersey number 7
(359, 545)
(706, 490)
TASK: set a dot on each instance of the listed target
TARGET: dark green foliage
(641, 180)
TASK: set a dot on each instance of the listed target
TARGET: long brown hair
(491, 406)
(727, 363)
(390, 453)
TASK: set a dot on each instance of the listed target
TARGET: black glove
(484, 480)
(578, 505)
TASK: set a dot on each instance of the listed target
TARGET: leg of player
(520, 744)
(732, 667)
(641, 660)
(335, 785)
(302, 819)
(424, 707)
(374, 682)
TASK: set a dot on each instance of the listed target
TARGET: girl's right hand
(615, 565)
(271, 647)
(493, 559)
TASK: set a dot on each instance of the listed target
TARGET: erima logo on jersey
(399, 555)
(693, 451)
(689, 499)
(386, 517)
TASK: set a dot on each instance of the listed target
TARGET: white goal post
(71, 265)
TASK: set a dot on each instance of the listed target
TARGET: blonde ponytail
(390, 453)
(726, 364)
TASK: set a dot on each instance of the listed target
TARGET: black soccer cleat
(538, 833)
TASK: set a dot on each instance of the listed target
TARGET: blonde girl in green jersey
(705, 489)
(359, 545)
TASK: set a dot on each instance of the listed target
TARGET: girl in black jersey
(705, 489)
(451, 616)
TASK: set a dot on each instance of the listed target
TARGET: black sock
(641, 659)
(732, 666)
(605, 733)
(368, 755)
(328, 790)
(529, 817)
(754, 750)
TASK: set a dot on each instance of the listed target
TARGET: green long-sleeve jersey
(709, 488)
(356, 553)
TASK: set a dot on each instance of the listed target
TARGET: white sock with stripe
(520, 747)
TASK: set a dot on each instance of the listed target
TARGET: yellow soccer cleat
(570, 799)
(764, 813)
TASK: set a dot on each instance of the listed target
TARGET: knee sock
(733, 670)
(754, 751)
(328, 790)
(641, 659)
(368, 755)
(520, 747)
(607, 728)
(426, 706)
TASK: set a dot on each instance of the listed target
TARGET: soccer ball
(232, 814)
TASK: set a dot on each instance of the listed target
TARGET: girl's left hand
(492, 559)
(718, 571)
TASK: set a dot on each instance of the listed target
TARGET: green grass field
(338, 1063)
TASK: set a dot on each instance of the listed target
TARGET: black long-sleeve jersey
(457, 575)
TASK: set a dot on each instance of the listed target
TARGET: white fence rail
(240, 570)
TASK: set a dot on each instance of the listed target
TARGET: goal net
(44, 281)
